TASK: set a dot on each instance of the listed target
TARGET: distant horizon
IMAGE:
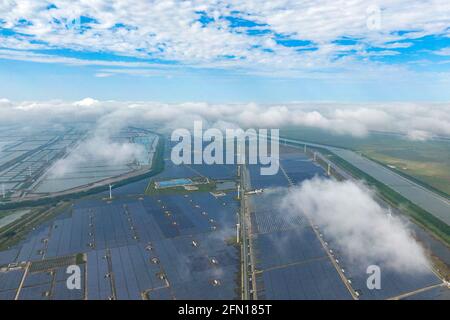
(236, 102)
(417, 120)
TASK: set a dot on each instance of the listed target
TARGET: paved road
(243, 232)
(435, 204)
(249, 291)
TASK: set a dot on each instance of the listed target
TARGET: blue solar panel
(61, 292)
(10, 280)
(119, 275)
(437, 293)
(8, 256)
(104, 282)
(53, 244)
(266, 181)
(8, 295)
(160, 294)
(312, 280)
(38, 278)
(35, 293)
(64, 242)
(92, 276)
(284, 247)
(130, 277)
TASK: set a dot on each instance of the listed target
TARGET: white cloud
(443, 52)
(47, 58)
(97, 148)
(354, 223)
(103, 75)
(414, 120)
(418, 135)
(87, 102)
(170, 30)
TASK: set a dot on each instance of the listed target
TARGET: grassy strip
(204, 187)
(419, 215)
(80, 258)
(415, 180)
(6, 213)
(357, 148)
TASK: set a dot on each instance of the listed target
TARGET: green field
(5, 213)
(427, 162)
(420, 216)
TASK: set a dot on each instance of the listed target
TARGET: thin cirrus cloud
(290, 37)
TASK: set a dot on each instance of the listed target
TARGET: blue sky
(206, 50)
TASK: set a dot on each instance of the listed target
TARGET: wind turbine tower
(389, 214)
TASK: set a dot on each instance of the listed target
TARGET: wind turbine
(110, 191)
(389, 214)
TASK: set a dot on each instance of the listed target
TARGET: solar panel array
(293, 264)
(179, 246)
(159, 247)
